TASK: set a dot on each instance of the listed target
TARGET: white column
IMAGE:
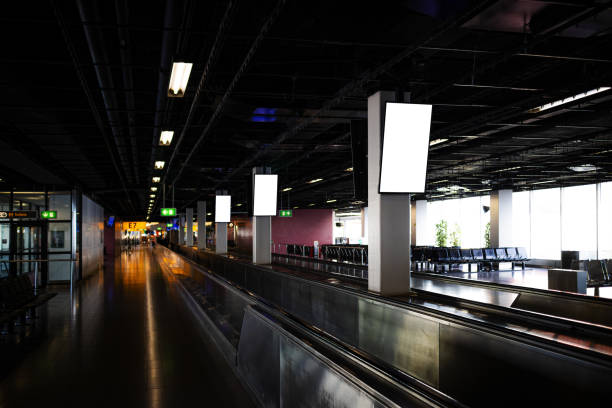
(201, 224)
(181, 230)
(420, 223)
(221, 237)
(189, 218)
(262, 229)
(501, 218)
(388, 215)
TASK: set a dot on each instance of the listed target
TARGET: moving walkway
(471, 356)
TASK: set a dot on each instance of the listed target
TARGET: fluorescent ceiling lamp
(159, 165)
(331, 201)
(437, 141)
(584, 168)
(153, 188)
(156, 179)
(568, 99)
(287, 189)
(179, 78)
(438, 182)
(165, 139)
(452, 189)
(481, 190)
(152, 196)
(239, 205)
(311, 204)
(544, 182)
(506, 169)
(349, 169)
(223, 208)
(264, 197)
(405, 148)
(315, 180)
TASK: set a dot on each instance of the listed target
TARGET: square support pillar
(189, 232)
(181, 230)
(501, 218)
(388, 214)
(221, 237)
(201, 224)
(262, 229)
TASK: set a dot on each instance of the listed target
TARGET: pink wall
(305, 227)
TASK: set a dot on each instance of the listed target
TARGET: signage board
(135, 226)
(168, 225)
(168, 212)
(285, 213)
(48, 215)
(18, 214)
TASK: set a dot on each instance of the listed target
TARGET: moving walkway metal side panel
(483, 369)
(283, 371)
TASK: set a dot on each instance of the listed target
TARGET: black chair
(596, 273)
(440, 258)
(522, 253)
(501, 254)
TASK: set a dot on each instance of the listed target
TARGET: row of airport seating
(18, 299)
(357, 254)
(426, 257)
(599, 272)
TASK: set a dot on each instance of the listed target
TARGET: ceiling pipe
(90, 100)
(210, 63)
(121, 9)
(104, 75)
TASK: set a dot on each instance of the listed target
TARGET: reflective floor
(125, 338)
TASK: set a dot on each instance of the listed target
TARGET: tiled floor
(124, 339)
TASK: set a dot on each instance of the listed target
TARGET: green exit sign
(48, 215)
(159, 228)
(168, 225)
(168, 212)
(285, 213)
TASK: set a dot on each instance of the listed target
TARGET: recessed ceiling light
(333, 200)
(153, 188)
(437, 141)
(295, 207)
(349, 169)
(315, 180)
(438, 182)
(159, 165)
(208, 213)
(152, 196)
(506, 169)
(568, 99)
(179, 78)
(165, 139)
(544, 182)
(239, 205)
(311, 204)
(287, 188)
(156, 179)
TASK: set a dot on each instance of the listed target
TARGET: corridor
(124, 339)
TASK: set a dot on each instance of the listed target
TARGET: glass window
(29, 200)
(579, 220)
(485, 218)
(545, 224)
(521, 226)
(61, 202)
(605, 221)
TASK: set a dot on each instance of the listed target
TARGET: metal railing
(7, 262)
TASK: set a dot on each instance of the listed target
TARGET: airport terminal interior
(283, 203)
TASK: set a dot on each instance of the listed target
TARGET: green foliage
(487, 235)
(441, 233)
(455, 236)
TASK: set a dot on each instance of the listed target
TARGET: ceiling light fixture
(179, 78)
(315, 180)
(156, 179)
(287, 189)
(437, 141)
(507, 169)
(483, 189)
(348, 169)
(311, 204)
(568, 99)
(333, 200)
(159, 165)
(438, 182)
(153, 188)
(584, 168)
(544, 182)
(165, 139)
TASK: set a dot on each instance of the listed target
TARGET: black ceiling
(85, 83)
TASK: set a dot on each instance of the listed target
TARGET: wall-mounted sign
(49, 214)
(18, 214)
(168, 212)
(159, 228)
(285, 213)
(135, 226)
(168, 225)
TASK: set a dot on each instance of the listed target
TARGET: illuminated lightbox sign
(223, 208)
(405, 148)
(168, 212)
(285, 213)
(264, 197)
(48, 214)
(18, 214)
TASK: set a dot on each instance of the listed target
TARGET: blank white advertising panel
(266, 188)
(405, 148)
(223, 208)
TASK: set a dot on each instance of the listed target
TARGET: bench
(18, 299)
